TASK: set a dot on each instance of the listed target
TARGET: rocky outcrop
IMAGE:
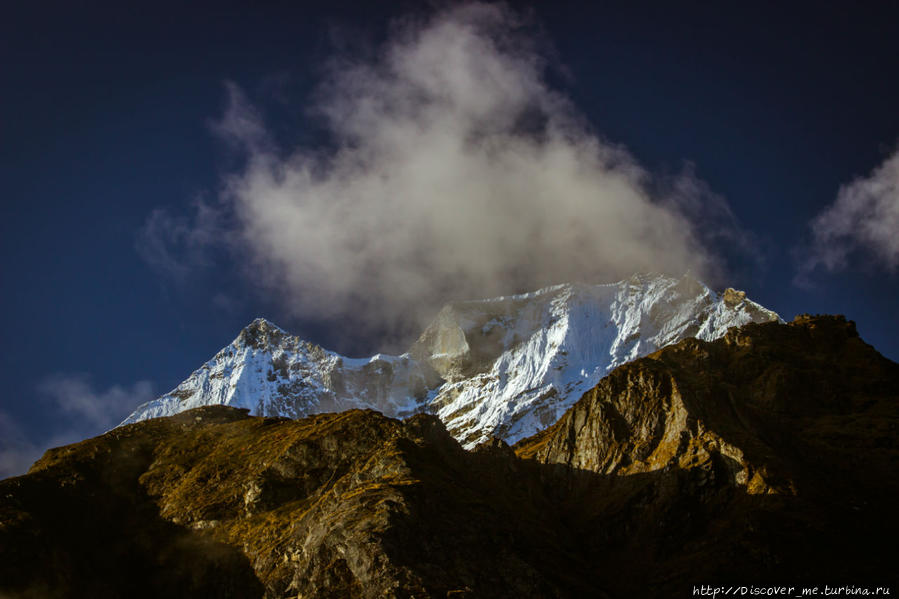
(213, 502)
(766, 456)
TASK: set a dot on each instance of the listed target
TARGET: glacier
(504, 367)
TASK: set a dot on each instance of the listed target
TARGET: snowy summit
(505, 367)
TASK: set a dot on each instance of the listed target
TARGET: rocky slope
(505, 367)
(212, 502)
(767, 455)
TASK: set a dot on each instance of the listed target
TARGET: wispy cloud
(864, 217)
(453, 169)
(87, 411)
(176, 245)
(100, 409)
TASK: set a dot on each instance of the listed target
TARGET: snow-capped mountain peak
(514, 364)
(507, 366)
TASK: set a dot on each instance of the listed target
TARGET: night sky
(112, 144)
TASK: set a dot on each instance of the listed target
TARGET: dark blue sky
(106, 117)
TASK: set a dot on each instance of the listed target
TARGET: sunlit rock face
(779, 438)
(505, 367)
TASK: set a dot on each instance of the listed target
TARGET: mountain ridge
(506, 366)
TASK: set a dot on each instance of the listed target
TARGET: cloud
(175, 246)
(865, 216)
(75, 396)
(87, 412)
(452, 169)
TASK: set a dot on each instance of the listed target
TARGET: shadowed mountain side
(764, 456)
(335, 505)
(81, 524)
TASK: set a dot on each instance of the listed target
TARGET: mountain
(766, 457)
(513, 365)
(505, 367)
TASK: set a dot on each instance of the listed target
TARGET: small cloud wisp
(865, 216)
(85, 410)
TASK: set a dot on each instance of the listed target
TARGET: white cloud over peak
(453, 169)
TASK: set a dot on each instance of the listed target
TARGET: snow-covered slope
(508, 366)
(514, 365)
(273, 373)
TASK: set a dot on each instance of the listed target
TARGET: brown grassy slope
(215, 503)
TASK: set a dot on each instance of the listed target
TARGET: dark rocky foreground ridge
(769, 455)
